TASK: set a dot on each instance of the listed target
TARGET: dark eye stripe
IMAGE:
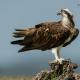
(67, 13)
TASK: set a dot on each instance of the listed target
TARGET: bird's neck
(68, 22)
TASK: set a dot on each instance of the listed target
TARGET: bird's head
(65, 13)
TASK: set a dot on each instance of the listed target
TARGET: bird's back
(43, 37)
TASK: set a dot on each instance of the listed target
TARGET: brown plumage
(43, 37)
(48, 35)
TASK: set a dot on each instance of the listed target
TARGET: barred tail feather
(26, 48)
(17, 42)
(18, 36)
(26, 38)
(23, 32)
(20, 29)
(22, 49)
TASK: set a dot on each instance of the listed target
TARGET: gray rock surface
(64, 71)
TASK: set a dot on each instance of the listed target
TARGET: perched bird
(48, 35)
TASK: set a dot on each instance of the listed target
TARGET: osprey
(48, 35)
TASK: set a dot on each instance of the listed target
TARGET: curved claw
(59, 60)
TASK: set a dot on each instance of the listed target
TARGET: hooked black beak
(59, 13)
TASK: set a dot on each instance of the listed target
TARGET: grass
(15, 78)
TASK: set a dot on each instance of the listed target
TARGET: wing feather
(43, 37)
(50, 35)
(76, 32)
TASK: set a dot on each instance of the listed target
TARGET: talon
(59, 60)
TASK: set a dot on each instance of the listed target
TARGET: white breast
(65, 21)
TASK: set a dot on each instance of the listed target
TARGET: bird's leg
(56, 53)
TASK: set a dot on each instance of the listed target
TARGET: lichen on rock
(64, 71)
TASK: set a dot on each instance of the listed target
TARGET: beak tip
(58, 13)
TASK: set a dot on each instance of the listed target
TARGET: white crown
(68, 11)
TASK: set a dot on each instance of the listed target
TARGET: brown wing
(39, 25)
(43, 37)
(50, 35)
(44, 24)
(73, 38)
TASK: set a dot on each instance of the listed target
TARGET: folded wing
(43, 37)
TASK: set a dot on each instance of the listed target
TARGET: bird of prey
(48, 35)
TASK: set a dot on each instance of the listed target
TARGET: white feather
(66, 9)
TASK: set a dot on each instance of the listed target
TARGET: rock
(64, 71)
